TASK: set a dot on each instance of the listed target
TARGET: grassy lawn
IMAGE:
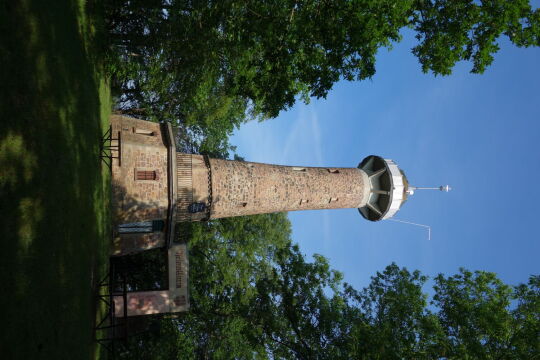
(54, 193)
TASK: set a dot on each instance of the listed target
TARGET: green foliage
(453, 30)
(266, 54)
(393, 313)
(232, 256)
(526, 320)
(474, 314)
(254, 295)
(296, 317)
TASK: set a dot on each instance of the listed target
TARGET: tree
(232, 256)
(227, 259)
(454, 30)
(254, 295)
(526, 320)
(269, 53)
(393, 311)
(477, 320)
(473, 313)
(298, 320)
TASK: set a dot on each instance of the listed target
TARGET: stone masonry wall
(139, 200)
(244, 188)
(142, 148)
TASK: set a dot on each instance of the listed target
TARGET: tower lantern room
(388, 188)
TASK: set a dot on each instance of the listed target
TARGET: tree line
(210, 65)
(254, 295)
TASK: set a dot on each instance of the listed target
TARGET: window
(145, 175)
(144, 132)
(141, 227)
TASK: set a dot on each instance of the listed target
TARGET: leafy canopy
(254, 295)
(266, 53)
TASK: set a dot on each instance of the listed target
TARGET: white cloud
(293, 139)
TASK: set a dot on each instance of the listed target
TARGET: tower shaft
(226, 188)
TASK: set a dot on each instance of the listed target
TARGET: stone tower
(155, 188)
(214, 188)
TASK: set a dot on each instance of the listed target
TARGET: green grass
(54, 192)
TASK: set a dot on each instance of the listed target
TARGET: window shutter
(146, 175)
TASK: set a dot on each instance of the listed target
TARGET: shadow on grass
(53, 194)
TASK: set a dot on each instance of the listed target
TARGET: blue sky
(478, 133)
